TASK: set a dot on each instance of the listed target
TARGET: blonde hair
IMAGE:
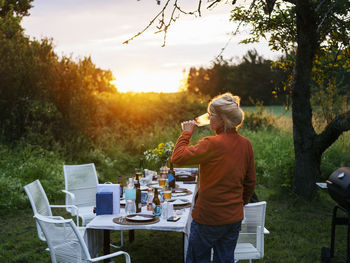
(226, 106)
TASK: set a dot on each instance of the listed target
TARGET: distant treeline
(50, 100)
(253, 79)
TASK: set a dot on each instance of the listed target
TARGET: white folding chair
(66, 244)
(80, 189)
(40, 204)
(250, 244)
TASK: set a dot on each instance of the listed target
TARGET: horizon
(98, 30)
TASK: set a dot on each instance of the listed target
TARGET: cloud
(98, 29)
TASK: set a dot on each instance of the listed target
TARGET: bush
(336, 156)
(24, 164)
(274, 157)
(258, 120)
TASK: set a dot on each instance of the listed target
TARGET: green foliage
(24, 164)
(274, 157)
(255, 120)
(157, 157)
(19, 8)
(336, 156)
(251, 78)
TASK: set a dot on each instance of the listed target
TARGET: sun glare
(141, 81)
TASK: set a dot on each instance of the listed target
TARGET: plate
(143, 188)
(140, 217)
(184, 176)
(183, 173)
(179, 190)
(181, 202)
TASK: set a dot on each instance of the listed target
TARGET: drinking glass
(165, 210)
(167, 194)
(130, 207)
(162, 182)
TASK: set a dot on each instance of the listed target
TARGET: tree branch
(215, 2)
(162, 24)
(150, 23)
(320, 5)
(291, 1)
(233, 33)
(334, 129)
(325, 16)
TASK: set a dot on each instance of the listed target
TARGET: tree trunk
(307, 159)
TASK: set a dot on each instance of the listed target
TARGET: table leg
(131, 235)
(183, 247)
(106, 242)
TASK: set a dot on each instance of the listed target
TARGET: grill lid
(339, 186)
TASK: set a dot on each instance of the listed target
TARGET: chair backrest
(253, 226)
(39, 202)
(63, 239)
(81, 180)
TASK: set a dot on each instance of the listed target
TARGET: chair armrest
(56, 217)
(112, 255)
(71, 206)
(64, 206)
(71, 195)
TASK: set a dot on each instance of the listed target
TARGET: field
(298, 229)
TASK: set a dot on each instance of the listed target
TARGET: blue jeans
(222, 238)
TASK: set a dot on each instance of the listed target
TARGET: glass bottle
(171, 177)
(138, 197)
(130, 191)
(157, 209)
(121, 186)
(150, 199)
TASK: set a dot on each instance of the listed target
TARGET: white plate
(180, 202)
(178, 194)
(182, 173)
(140, 217)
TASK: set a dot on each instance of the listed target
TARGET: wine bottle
(138, 197)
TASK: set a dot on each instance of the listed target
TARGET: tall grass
(298, 229)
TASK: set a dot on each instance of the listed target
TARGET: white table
(105, 222)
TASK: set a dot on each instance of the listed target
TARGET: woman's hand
(188, 126)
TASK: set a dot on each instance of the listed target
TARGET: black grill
(338, 185)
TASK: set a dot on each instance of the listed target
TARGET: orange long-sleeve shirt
(226, 175)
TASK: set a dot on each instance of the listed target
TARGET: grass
(298, 231)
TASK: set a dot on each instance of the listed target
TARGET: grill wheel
(325, 255)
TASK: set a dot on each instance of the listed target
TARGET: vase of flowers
(158, 157)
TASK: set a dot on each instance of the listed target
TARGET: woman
(226, 178)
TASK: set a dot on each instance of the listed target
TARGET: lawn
(298, 231)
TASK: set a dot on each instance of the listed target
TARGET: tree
(18, 8)
(308, 29)
(251, 79)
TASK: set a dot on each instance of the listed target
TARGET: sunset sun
(142, 81)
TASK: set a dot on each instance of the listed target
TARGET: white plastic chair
(40, 204)
(80, 189)
(250, 244)
(66, 244)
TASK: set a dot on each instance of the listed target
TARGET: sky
(98, 28)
